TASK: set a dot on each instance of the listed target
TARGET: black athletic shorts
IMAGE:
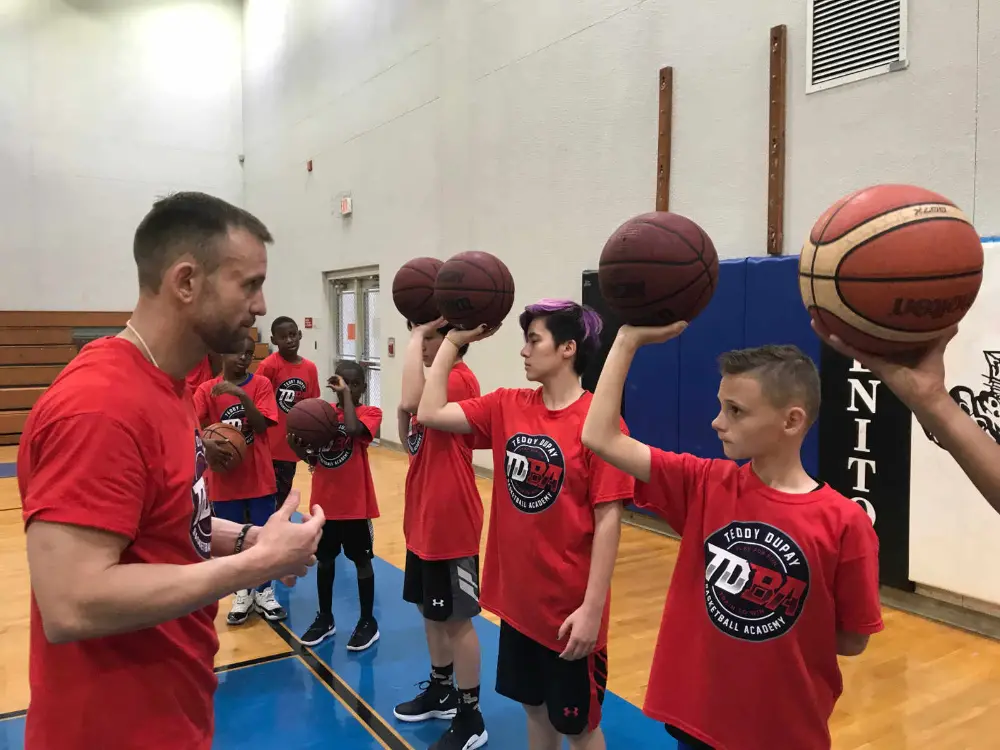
(685, 740)
(443, 589)
(284, 475)
(356, 538)
(571, 691)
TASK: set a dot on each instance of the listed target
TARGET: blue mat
(8, 470)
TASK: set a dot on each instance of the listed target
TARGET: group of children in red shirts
(777, 573)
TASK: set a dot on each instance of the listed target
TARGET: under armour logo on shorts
(437, 602)
(567, 712)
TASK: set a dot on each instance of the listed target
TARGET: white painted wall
(104, 106)
(528, 130)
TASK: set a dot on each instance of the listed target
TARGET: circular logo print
(415, 437)
(339, 450)
(535, 469)
(235, 416)
(288, 393)
(201, 516)
(756, 581)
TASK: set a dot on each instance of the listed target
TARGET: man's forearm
(607, 535)
(224, 534)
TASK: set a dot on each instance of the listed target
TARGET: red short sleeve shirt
(291, 383)
(342, 482)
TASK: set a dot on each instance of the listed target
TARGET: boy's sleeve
(266, 370)
(674, 482)
(480, 413)
(263, 399)
(371, 418)
(855, 586)
(201, 401)
(607, 483)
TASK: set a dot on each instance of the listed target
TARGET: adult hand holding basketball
(286, 548)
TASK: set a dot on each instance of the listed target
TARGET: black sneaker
(467, 732)
(436, 701)
(365, 634)
(321, 629)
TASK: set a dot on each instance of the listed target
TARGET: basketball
(232, 440)
(474, 288)
(658, 268)
(889, 268)
(313, 421)
(413, 290)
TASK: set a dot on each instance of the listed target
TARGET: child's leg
(284, 475)
(574, 696)
(359, 538)
(329, 547)
(235, 511)
(261, 509)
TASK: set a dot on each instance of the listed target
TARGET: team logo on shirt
(235, 416)
(288, 393)
(414, 437)
(535, 467)
(756, 581)
(338, 451)
(201, 517)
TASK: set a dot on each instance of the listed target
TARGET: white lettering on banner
(865, 391)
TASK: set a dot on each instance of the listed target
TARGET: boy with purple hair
(555, 522)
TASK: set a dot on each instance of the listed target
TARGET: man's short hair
(187, 223)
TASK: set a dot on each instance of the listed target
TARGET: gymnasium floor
(920, 684)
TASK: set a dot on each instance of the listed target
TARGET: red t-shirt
(342, 480)
(113, 445)
(538, 547)
(201, 373)
(291, 383)
(255, 476)
(443, 515)
(746, 658)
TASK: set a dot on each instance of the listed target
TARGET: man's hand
(225, 388)
(289, 549)
(916, 377)
(582, 627)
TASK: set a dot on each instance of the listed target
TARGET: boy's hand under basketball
(420, 331)
(460, 337)
(643, 335)
(289, 549)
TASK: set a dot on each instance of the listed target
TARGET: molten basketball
(313, 421)
(889, 268)
(232, 441)
(658, 268)
(413, 290)
(473, 289)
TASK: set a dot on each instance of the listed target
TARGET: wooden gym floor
(919, 685)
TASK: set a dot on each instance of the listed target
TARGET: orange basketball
(233, 440)
(889, 268)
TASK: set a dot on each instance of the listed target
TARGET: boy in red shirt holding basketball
(293, 378)
(443, 526)
(246, 493)
(342, 485)
(777, 573)
(555, 522)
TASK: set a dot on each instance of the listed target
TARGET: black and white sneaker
(467, 732)
(321, 629)
(242, 606)
(436, 701)
(265, 603)
(365, 634)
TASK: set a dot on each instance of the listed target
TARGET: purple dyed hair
(589, 318)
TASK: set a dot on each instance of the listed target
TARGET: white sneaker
(241, 608)
(267, 605)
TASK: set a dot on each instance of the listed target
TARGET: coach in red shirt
(127, 564)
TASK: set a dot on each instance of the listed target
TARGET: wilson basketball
(413, 290)
(313, 421)
(232, 441)
(889, 268)
(474, 288)
(658, 268)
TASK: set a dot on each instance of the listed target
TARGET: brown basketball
(413, 290)
(889, 268)
(473, 289)
(313, 421)
(658, 268)
(233, 441)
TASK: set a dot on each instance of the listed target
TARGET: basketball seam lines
(812, 268)
(892, 279)
(827, 241)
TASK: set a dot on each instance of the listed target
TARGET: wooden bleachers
(34, 348)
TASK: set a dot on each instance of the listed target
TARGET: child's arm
(435, 411)
(257, 420)
(602, 430)
(413, 366)
(351, 423)
(856, 585)
(403, 425)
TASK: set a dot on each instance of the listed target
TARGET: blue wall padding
(719, 328)
(775, 315)
(651, 396)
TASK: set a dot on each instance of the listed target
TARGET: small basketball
(232, 440)
(473, 289)
(658, 268)
(413, 290)
(889, 268)
(313, 421)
